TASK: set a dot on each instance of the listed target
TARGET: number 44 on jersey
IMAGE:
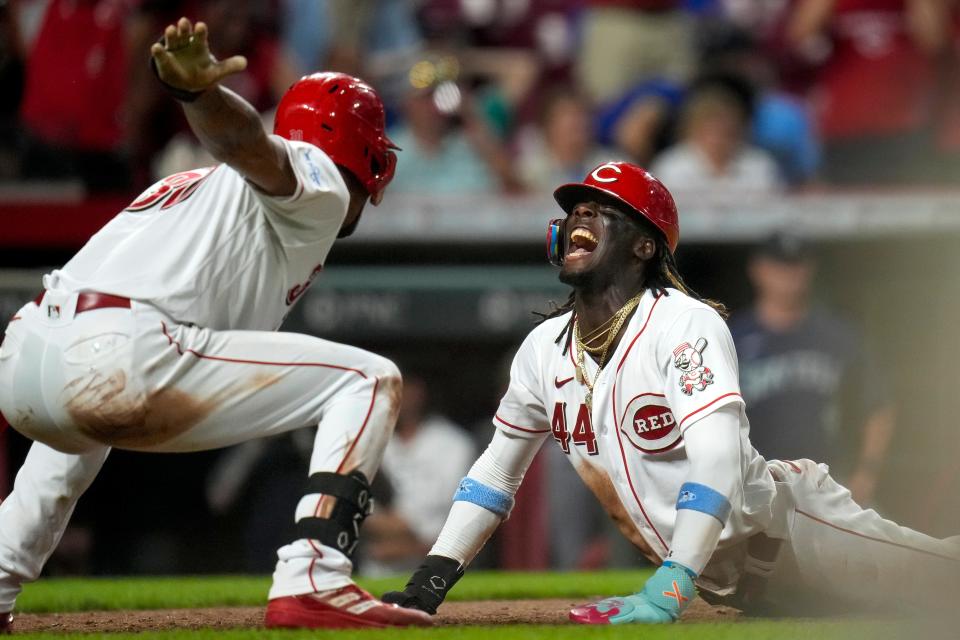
(582, 434)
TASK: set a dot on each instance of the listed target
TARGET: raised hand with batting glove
(183, 62)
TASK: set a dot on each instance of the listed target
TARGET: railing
(31, 216)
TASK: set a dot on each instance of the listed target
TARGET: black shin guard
(354, 503)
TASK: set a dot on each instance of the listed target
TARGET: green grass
(110, 594)
(66, 595)
(786, 630)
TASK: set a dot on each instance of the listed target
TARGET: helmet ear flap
(555, 241)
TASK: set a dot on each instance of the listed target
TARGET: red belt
(91, 300)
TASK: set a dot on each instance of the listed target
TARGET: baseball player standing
(160, 334)
(635, 379)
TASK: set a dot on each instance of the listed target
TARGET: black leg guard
(354, 503)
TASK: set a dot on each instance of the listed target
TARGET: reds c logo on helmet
(629, 186)
(343, 116)
(610, 167)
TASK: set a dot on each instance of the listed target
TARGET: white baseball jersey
(208, 248)
(675, 364)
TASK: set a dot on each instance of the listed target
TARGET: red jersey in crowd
(76, 75)
(876, 82)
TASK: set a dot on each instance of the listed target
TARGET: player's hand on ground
(622, 610)
(664, 597)
(405, 600)
(184, 60)
(428, 586)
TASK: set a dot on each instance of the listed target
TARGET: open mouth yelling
(582, 243)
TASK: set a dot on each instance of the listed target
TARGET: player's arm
(484, 497)
(709, 415)
(704, 504)
(226, 124)
(483, 500)
(713, 485)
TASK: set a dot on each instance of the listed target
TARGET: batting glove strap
(183, 95)
(428, 586)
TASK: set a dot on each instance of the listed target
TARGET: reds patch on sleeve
(695, 375)
(699, 361)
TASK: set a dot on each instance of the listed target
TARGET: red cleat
(349, 607)
(6, 623)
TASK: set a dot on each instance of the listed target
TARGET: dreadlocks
(667, 274)
(662, 272)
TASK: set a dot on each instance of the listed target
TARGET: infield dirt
(489, 612)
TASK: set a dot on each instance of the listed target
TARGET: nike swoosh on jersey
(560, 383)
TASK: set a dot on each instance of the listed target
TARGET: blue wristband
(690, 572)
(700, 497)
(493, 500)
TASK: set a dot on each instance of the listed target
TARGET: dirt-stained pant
(835, 556)
(79, 384)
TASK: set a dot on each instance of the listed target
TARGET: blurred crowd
(515, 95)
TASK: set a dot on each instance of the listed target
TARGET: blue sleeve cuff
(493, 500)
(671, 589)
(700, 497)
(690, 572)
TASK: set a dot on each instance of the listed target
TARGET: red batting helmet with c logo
(625, 184)
(343, 116)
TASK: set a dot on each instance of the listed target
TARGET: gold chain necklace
(600, 333)
(618, 319)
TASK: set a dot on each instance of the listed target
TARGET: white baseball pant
(836, 557)
(839, 555)
(79, 384)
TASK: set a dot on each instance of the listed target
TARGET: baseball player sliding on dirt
(656, 427)
(160, 334)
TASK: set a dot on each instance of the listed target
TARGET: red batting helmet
(622, 183)
(343, 116)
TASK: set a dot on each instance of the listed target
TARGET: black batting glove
(428, 585)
